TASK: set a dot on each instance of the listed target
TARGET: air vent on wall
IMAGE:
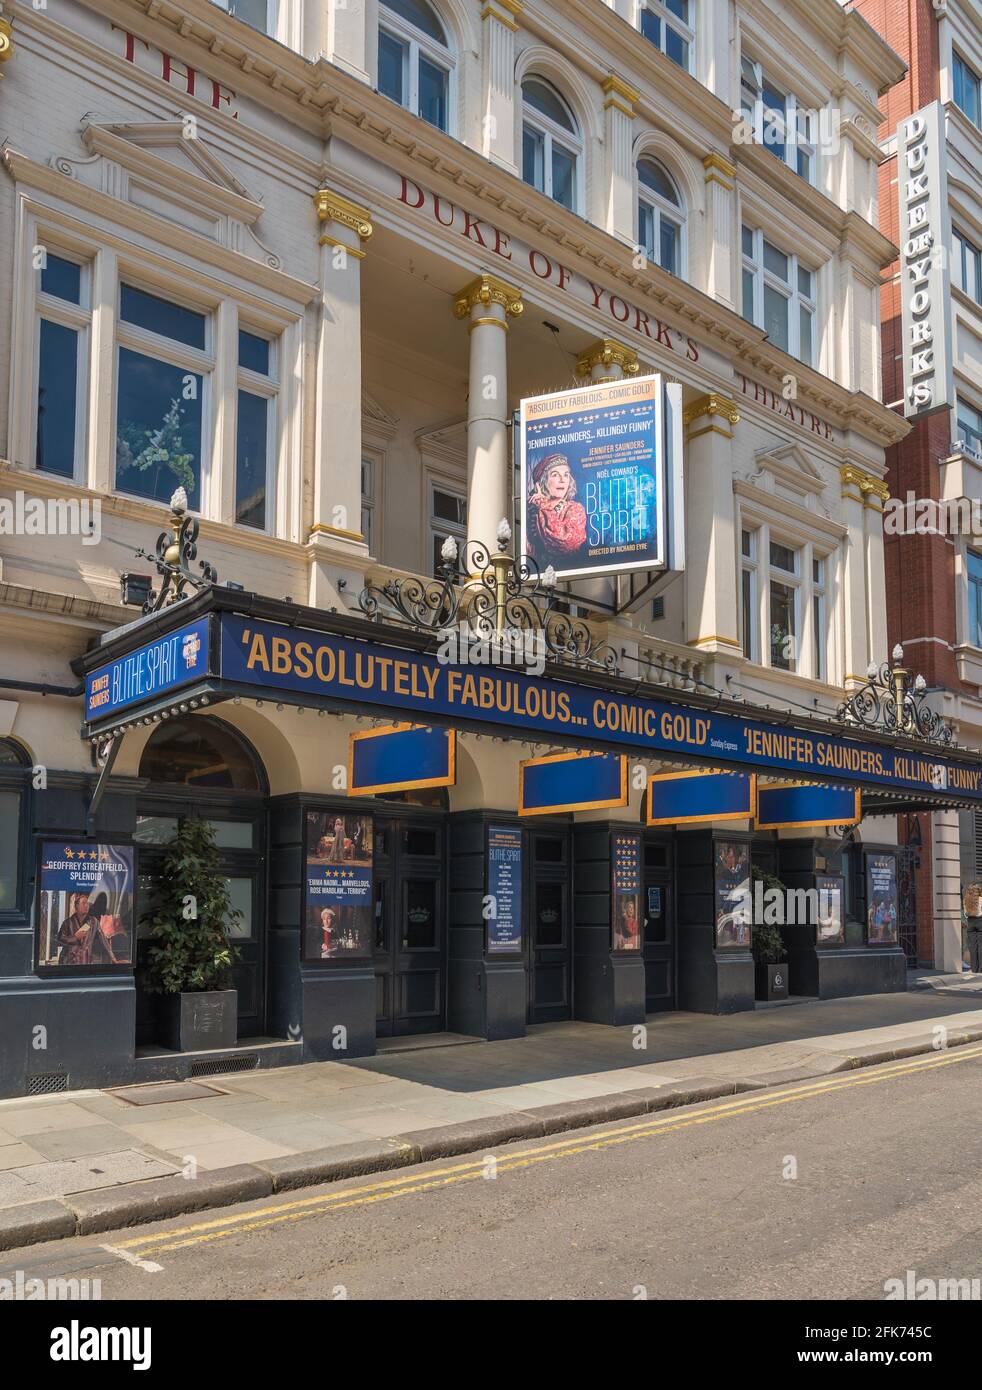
(46, 1083)
(223, 1065)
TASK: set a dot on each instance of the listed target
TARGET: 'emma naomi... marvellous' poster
(85, 906)
(593, 480)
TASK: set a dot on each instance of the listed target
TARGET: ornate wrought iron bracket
(492, 597)
(893, 700)
(175, 552)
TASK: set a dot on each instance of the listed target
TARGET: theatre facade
(274, 304)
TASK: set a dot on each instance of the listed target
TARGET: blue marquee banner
(572, 782)
(151, 670)
(400, 757)
(781, 807)
(319, 666)
(687, 798)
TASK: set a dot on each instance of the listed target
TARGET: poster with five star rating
(625, 899)
(340, 910)
(593, 478)
(85, 906)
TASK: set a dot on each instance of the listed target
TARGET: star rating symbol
(68, 853)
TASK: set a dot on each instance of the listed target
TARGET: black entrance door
(410, 925)
(550, 929)
(659, 929)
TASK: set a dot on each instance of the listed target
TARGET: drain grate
(46, 1083)
(223, 1065)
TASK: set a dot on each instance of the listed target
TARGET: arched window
(661, 217)
(551, 143)
(200, 752)
(414, 59)
(13, 754)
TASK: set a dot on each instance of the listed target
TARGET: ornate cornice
(620, 94)
(719, 170)
(487, 290)
(713, 404)
(869, 487)
(334, 207)
(506, 12)
(607, 352)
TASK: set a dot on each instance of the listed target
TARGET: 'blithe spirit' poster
(592, 485)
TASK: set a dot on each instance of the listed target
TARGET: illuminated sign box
(689, 798)
(572, 782)
(401, 757)
(154, 669)
(786, 805)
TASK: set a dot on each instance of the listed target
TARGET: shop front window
(14, 763)
(199, 752)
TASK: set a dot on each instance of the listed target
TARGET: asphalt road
(815, 1190)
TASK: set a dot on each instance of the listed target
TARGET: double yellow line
(220, 1228)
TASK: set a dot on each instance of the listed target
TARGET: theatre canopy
(222, 645)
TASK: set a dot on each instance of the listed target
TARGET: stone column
(498, 81)
(721, 280)
(335, 533)
(710, 527)
(607, 360)
(863, 577)
(618, 212)
(946, 877)
(487, 303)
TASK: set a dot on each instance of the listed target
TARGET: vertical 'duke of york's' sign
(924, 276)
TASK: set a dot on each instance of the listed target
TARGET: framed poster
(339, 908)
(830, 927)
(504, 888)
(85, 906)
(881, 899)
(625, 891)
(593, 478)
(733, 901)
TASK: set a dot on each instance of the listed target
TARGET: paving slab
(86, 1174)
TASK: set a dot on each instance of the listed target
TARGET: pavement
(94, 1161)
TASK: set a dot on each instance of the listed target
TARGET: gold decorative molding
(6, 39)
(327, 240)
(511, 8)
(712, 404)
(607, 352)
(620, 95)
(333, 207)
(320, 528)
(715, 637)
(719, 170)
(869, 487)
(487, 290)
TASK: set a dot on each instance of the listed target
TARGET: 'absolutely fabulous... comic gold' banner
(322, 666)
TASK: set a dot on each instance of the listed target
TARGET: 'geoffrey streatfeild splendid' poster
(593, 478)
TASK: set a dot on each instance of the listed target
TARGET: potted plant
(189, 957)
(767, 944)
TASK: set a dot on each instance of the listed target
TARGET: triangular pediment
(167, 169)
(375, 419)
(789, 471)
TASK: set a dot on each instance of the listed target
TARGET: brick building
(933, 576)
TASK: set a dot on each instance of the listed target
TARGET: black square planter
(199, 1021)
(771, 981)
